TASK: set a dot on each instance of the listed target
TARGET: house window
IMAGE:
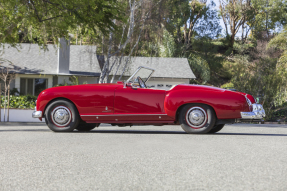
(32, 86)
(55, 80)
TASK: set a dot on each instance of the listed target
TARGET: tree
(7, 75)
(41, 21)
(234, 14)
(257, 71)
(269, 16)
(182, 20)
(124, 43)
(208, 25)
(280, 42)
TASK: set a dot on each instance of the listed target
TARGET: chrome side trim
(122, 114)
(37, 114)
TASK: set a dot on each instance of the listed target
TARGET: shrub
(263, 77)
(228, 85)
(20, 102)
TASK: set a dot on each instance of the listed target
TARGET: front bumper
(37, 114)
(257, 112)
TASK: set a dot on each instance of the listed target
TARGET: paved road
(240, 157)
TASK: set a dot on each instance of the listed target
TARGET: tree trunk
(8, 103)
(4, 103)
(232, 38)
(0, 101)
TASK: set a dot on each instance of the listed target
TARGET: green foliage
(280, 42)
(209, 51)
(74, 80)
(267, 15)
(280, 114)
(20, 102)
(228, 85)
(200, 67)
(42, 21)
(167, 48)
(14, 91)
(264, 78)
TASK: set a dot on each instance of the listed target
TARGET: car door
(97, 102)
(139, 104)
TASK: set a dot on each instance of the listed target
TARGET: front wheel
(62, 116)
(197, 118)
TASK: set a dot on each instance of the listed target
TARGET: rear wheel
(216, 128)
(62, 116)
(87, 126)
(197, 118)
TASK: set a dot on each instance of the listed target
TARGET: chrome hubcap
(61, 116)
(196, 117)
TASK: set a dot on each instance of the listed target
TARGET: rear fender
(226, 105)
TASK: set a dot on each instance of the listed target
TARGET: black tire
(197, 118)
(62, 116)
(87, 126)
(216, 128)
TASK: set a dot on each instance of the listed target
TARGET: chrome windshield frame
(126, 82)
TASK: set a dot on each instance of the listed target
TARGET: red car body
(124, 104)
(112, 103)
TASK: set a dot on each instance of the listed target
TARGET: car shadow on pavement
(176, 132)
(32, 130)
(132, 132)
(251, 134)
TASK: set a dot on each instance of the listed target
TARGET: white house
(38, 69)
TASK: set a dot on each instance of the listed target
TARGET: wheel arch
(60, 98)
(194, 103)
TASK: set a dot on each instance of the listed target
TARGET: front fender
(226, 104)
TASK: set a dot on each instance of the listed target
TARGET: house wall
(63, 79)
(82, 79)
(19, 115)
(88, 79)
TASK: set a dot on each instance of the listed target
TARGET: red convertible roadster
(197, 108)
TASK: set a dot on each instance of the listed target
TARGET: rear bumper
(256, 115)
(251, 115)
(37, 114)
(257, 112)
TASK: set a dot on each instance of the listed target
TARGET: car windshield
(142, 72)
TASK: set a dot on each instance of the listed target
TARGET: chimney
(63, 56)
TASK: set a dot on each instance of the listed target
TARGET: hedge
(20, 102)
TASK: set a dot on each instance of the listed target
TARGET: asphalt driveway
(240, 157)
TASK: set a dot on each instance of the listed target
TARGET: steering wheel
(141, 82)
